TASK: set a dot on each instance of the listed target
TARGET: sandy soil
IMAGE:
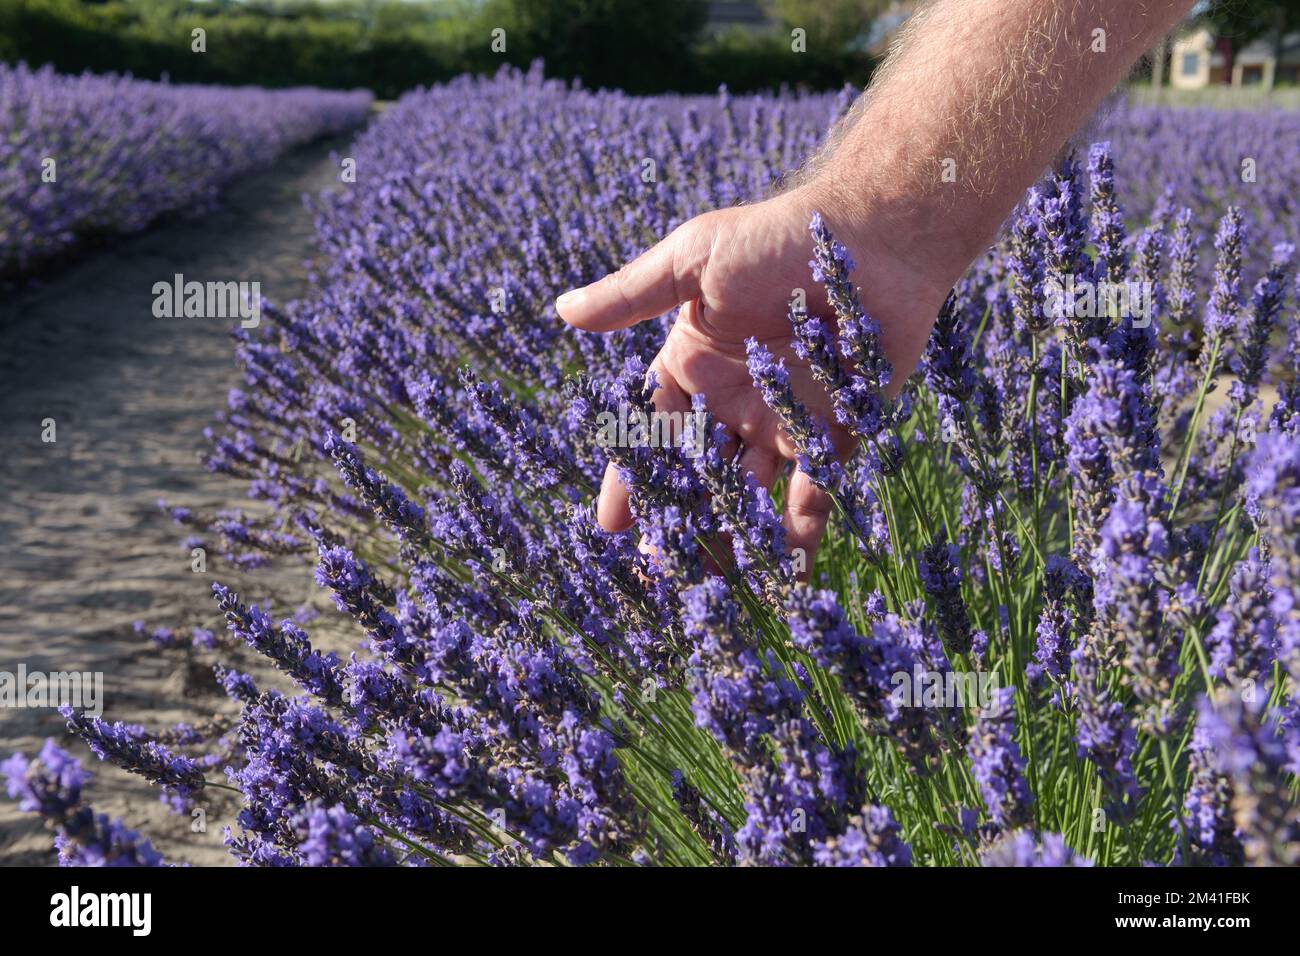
(84, 550)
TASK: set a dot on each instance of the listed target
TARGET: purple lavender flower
(1182, 268)
(1106, 734)
(1106, 225)
(1112, 443)
(1064, 229)
(997, 764)
(1127, 600)
(744, 510)
(799, 798)
(337, 838)
(870, 669)
(939, 565)
(1026, 266)
(51, 785)
(1024, 848)
(1207, 819)
(871, 839)
(859, 333)
(1242, 643)
(735, 698)
(812, 441)
(1221, 319)
(286, 645)
(1055, 633)
(131, 749)
(191, 141)
(1173, 381)
(1252, 751)
(1257, 326)
(1272, 497)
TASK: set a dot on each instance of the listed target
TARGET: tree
(830, 24)
(1244, 20)
(630, 44)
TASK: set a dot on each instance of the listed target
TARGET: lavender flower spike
(998, 765)
(51, 785)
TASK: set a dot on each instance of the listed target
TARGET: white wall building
(1200, 59)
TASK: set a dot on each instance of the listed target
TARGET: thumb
(650, 285)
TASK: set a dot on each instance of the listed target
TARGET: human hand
(735, 271)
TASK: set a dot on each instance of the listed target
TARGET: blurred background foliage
(643, 46)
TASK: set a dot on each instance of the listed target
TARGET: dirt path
(84, 550)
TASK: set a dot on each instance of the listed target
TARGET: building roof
(1260, 50)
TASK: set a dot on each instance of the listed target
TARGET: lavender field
(1054, 623)
(88, 158)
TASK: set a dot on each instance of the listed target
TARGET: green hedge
(636, 45)
(243, 46)
(747, 62)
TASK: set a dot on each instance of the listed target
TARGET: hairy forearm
(975, 101)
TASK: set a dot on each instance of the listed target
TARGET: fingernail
(572, 297)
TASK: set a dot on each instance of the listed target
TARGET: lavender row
(89, 157)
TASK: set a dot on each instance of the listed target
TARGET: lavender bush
(1209, 159)
(1054, 621)
(125, 151)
